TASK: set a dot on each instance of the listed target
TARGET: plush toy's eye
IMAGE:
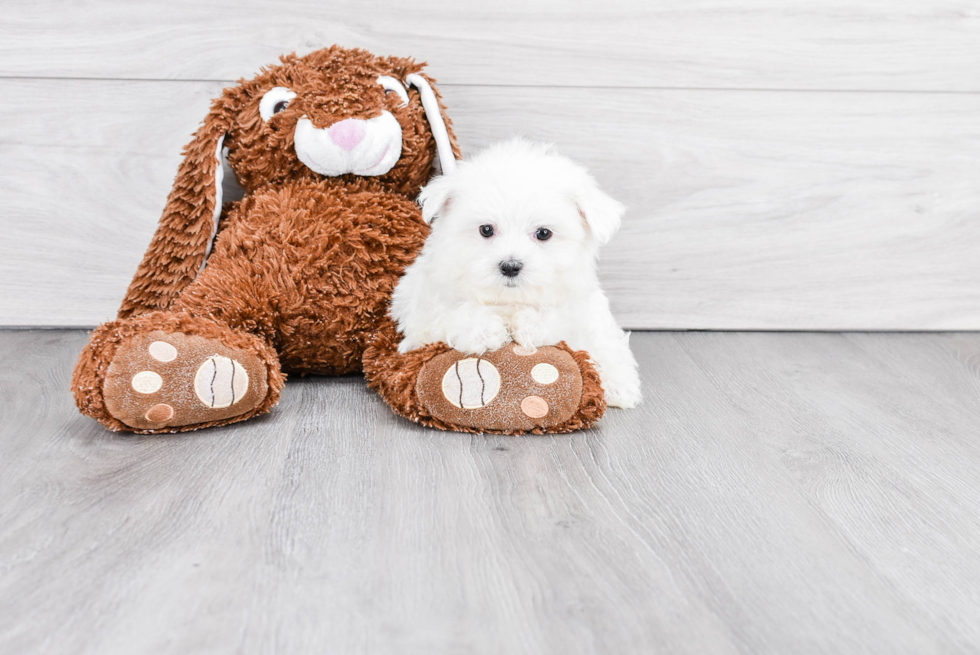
(543, 234)
(274, 101)
(391, 85)
(486, 231)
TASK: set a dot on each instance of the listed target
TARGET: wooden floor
(776, 493)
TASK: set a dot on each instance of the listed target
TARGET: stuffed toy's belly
(309, 267)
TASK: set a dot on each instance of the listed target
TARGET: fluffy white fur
(457, 292)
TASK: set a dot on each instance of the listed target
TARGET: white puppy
(512, 256)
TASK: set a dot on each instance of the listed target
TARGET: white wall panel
(925, 45)
(748, 209)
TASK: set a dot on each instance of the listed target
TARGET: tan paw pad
(147, 382)
(544, 373)
(535, 406)
(220, 382)
(471, 383)
(159, 413)
(162, 351)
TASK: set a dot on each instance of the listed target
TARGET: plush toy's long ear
(438, 122)
(601, 213)
(183, 239)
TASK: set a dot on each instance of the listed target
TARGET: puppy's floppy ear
(602, 214)
(435, 198)
(183, 238)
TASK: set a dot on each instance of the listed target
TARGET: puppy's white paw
(475, 338)
(408, 345)
(618, 371)
(528, 340)
(622, 387)
(623, 398)
(528, 330)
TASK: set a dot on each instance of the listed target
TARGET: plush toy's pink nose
(347, 133)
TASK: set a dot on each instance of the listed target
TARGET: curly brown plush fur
(332, 84)
(301, 270)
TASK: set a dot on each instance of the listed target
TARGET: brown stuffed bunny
(331, 149)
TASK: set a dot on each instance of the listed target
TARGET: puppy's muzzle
(511, 268)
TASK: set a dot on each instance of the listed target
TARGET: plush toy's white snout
(347, 133)
(363, 147)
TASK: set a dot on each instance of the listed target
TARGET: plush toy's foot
(508, 391)
(159, 380)
(188, 373)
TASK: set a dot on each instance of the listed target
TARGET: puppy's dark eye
(486, 231)
(543, 234)
(280, 106)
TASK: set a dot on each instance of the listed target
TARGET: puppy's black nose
(511, 268)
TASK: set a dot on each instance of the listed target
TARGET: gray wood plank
(883, 439)
(773, 44)
(804, 493)
(747, 210)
